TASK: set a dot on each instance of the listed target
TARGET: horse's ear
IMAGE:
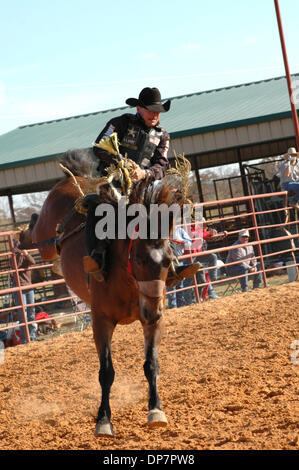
(33, 220)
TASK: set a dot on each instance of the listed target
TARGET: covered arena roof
(208, 127)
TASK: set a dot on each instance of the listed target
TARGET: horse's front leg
(152, 335)
(103, 329)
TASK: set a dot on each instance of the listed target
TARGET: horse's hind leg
(103, 330)
(152, 334)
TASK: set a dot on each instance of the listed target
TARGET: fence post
(196, 289)
(17, 280)
(257, 237)
(197, 297)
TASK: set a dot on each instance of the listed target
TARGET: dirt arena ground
(229, 380)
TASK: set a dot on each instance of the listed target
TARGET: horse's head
(25, 239)
(150, 256)
(150, 261)
(24, 234)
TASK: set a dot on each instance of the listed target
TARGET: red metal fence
(258, 243)
(8, 265)
(9, 270)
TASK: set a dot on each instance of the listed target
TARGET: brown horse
(134, 288)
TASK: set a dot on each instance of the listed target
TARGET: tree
(216, 184)
(4, 212)
(26, 204)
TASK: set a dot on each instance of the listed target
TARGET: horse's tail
(79, 162)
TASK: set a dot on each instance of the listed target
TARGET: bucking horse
(137, 268)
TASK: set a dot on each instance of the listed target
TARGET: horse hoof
(104, 429)
(157, 418)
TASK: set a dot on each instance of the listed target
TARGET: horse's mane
(166, 191)
(79, 162)
(170, 190)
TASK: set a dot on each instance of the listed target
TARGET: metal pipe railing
(258, 243)
(19, 289)
(253, 214)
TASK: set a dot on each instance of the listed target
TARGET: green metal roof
(189, 114)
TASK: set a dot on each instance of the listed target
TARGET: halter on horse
(137, 273)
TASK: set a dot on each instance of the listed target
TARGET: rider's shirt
(148, 147)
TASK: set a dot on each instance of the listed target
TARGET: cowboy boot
(94, 264)
(177, 273)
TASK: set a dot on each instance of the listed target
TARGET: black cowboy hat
(150, 98)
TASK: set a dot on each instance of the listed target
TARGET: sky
(69, 57)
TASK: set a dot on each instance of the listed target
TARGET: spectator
(244, 267)
(46, 326)
(11, 336)
(5, 318)
(24, 261)
(289, 175)
(3, 333)
(182, 298)
(200, 236)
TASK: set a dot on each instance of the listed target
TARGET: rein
(176, 241)
(68, 235)
(60, 236)
(49, 242)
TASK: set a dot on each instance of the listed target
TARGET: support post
(199, 187)
(288, 75)
(11, 208)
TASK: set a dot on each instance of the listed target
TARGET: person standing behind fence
(200, 236)
(180, 241)
(289, 175)
(24, 261)
(244, 267)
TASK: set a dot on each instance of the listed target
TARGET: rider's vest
(138, 144)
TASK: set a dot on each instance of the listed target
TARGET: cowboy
(289, 174)
(146, 143)
(140, 136)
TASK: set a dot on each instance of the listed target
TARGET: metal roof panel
(191, 114)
